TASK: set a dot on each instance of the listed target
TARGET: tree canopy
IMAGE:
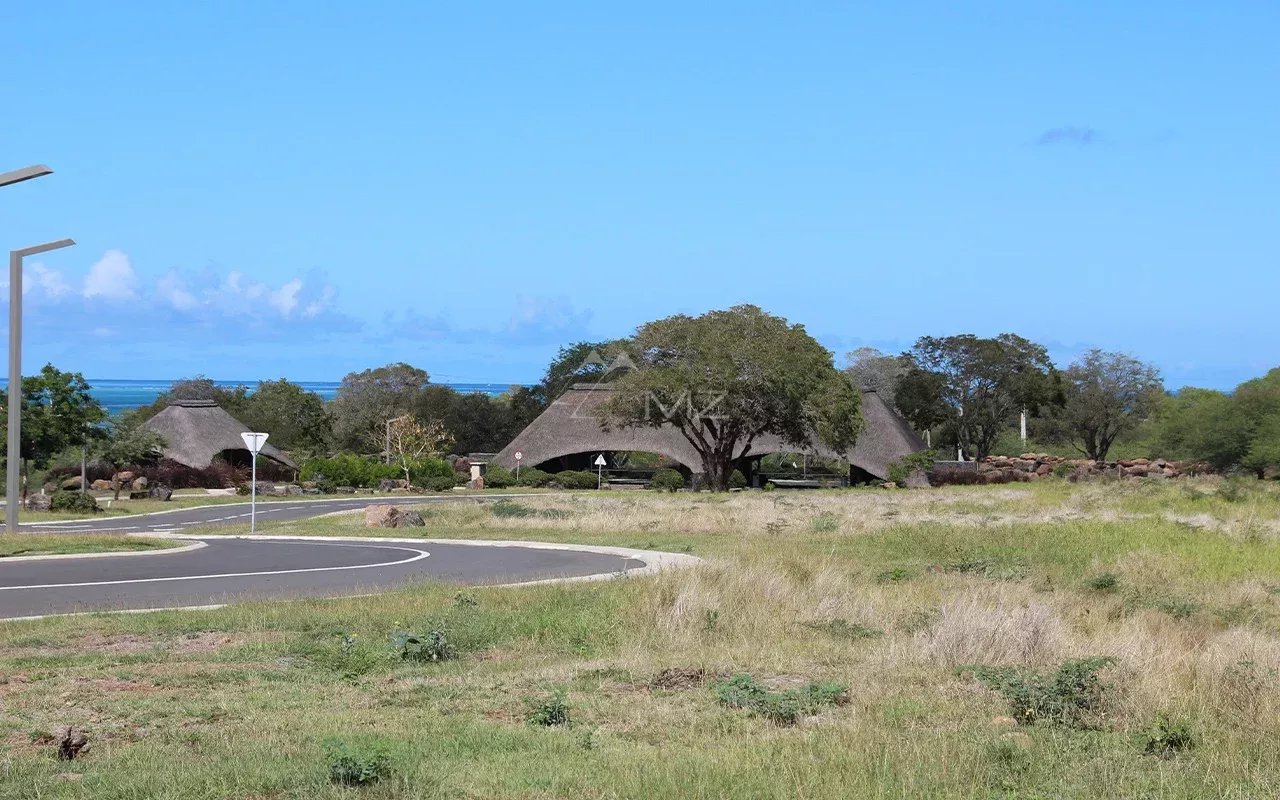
(367, 400)
(727, 378)
(1106, 395)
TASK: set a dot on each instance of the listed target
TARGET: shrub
(552, 709)
(895, 575)
(577, 479)
(73, 501)
(356, 764)
(347, 469)
(900, 471)
(218, 475)
(1063, 697)
(496, 477)
(1103, 582)
(427, 469)
(667, 480)
(1169, 737)
(507, 509)
(737, 480)
(532, 476)
(780, 708)
(439, 483)
(431, 646)
(953, 476)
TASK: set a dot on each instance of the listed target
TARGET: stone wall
(1029, 466)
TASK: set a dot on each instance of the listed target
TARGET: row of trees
(968, 392)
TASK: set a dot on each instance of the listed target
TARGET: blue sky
(303, 189)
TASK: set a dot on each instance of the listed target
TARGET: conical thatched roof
(195, 431)
(570, 426)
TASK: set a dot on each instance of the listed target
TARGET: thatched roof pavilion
(197, 431)
(570, 426)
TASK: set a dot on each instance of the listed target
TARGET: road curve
(237, 568)
(181, 519)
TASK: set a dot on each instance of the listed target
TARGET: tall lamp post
(15, 371)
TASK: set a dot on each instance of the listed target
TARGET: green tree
(410, 441)
(1202, 425)
(982, 383)
(874, 371)
(478, 424)
(366, 401)
(1106, 395)
(1258, 401)
(582, 362)
(295, 417)
(57, 413)
(727, 378)
(233, 400)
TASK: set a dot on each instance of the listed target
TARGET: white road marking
(421, 554)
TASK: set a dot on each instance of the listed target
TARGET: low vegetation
(958, 642)
(36, 544)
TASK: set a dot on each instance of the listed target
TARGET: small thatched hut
(570, 426)
(197, 431)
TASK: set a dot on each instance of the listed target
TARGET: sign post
(519, 458)
(253, 441)
(600, 462)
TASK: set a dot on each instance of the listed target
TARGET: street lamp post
(15, 364)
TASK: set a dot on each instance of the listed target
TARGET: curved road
(215, 570)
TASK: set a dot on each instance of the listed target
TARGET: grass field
(36, 544)
(938, 621)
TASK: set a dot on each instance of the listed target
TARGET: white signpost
(519, 458)
(600, 462)
(253, 441)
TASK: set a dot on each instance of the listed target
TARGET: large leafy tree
(234, 400)
(295, 417)
(57, 413)
(366, 401)
(582, 362)
(1258, 402)
(1202, 425)
(727, 378)
(982, 384)
(1106, 395)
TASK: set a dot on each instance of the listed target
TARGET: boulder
(139, 484)
(391, 517)
(71, 484)
(1043, 470)
(39, 502)
(125, 477)
(101, 486)
(345, 489)
(476, 483)
(312, 490)
(288, 490)
(160, 492)
(392, 484)
(265, 487)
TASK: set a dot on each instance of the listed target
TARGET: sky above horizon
(301, 190)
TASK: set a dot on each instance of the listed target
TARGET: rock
(392, 517)
(71, 742)
(345, 489)
(1043, 470)
(476, 483)
(309, 485)
(139, 484)
(160, 492)
(391, 485)
(71, 484)
(312, 490)
(39, 502)
(101, 486)
(124, 477)
(264, 487)
(289, 490)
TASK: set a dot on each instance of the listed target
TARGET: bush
(1062, 698)
(532, 476)
(1103, 582)
(737, 480)
(577, 479)
(1169, 737)
(356, 764)
(440, 484)
(496, 477)
(547, 711)
(424, 470)
(430, 646)
(347, 469)
(780, 708)
(900, 471)
(218, 475)
(74, 502)
(667, 480)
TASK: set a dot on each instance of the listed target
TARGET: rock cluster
(1029, 466)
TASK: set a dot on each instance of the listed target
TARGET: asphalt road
(238, 514)
(222, 569)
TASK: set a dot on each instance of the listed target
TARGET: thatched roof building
(570, 426)
(197, 431)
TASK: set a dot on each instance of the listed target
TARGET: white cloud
(49, 282)
(112, 278)
(285, 299)
(173, 290)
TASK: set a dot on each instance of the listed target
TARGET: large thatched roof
(570, 426)
(195, 431)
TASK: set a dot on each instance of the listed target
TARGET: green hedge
(576, 479)
(347, 469)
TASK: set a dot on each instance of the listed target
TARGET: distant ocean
(120, 395)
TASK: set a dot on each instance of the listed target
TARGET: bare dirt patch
(682, 678)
